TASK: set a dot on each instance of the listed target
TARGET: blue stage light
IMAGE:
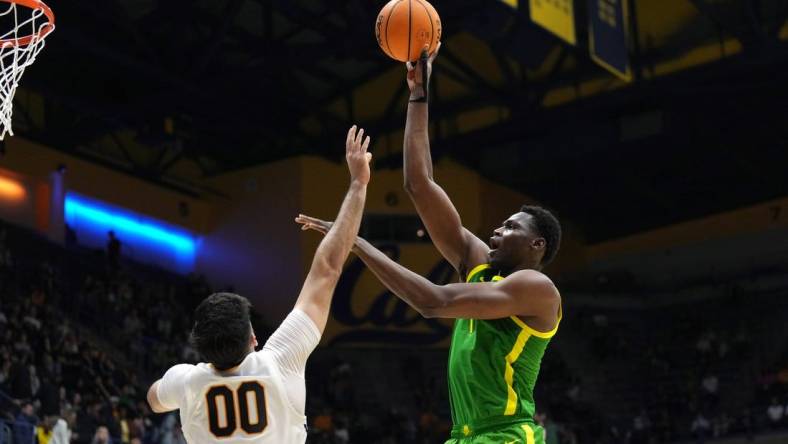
(131, 227)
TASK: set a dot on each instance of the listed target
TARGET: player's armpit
(153, 399)
(526, 293)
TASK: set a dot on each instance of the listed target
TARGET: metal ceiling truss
(237, 96)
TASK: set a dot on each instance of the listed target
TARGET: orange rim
(46, 29)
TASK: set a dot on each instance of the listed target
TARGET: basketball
(404, 27)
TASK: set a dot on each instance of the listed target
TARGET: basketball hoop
(31, 21)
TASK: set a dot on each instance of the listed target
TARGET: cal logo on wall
(608, 35)
(366, 314)
(556, 16)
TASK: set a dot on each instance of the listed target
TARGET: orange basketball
(404, 27)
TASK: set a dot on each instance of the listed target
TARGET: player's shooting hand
(311, 223)
(414, 76)
(357, 156)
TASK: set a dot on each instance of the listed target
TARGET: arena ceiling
(175, 90)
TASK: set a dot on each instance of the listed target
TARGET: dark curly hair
(221, 329)
(547, 225)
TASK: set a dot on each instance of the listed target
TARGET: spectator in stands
(101, 436)
(6, 260)
(121, 414)
(551, 429)
(721, 426)
(741, 341)
(664, 426)
(136, 426)
(61, 433)
(775, 413)
(132, 324)
(87, 422)
(48, 395)
(341, 432)
(25, 425)
(706, 347)
(166, 433)
(700, 428)
(340, 387)
(38, 298)
(600, 342)
(5, 369)
(44, 431)
(428, 422)
(710, 385)
(177, 437)
(782, 375)
(324, 423)
(113, 251)
(163, 320)
(573, 392)
(19, 378)
(641, 428)
(744, 424)
(722, 348)
(71, 237)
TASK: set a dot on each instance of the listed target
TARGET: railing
(5, 432)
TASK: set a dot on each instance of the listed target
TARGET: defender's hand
(357, 156)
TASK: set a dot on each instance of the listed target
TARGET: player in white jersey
(241, 395)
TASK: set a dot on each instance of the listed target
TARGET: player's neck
(225, 371)
(527, 265)
(234, 368)
(230, 370)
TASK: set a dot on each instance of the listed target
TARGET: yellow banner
(512, 3)
(556, 16)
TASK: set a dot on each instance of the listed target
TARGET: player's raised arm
(315, 297)
(526, 293)
(458, 245)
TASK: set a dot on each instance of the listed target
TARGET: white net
(18, 50)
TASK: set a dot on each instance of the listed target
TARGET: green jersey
(493, 366)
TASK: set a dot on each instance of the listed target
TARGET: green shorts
(523, 433)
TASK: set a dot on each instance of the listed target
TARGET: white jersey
(261, 401)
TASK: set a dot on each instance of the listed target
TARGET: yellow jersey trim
(480, 268)
(508, 373)
(517, 320)
(529, 434)
(540, 334)
(476, 270)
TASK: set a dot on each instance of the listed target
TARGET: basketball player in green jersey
(505, 312)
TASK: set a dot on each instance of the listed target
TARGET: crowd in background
(82, 333)
(692, 371)
(63, 375)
